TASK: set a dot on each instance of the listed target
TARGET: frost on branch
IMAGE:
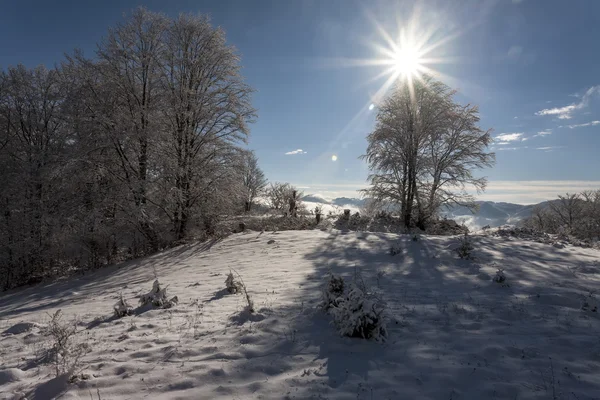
(158, 297)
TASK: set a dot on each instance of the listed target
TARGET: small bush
(395, 249)
(465, 248)
(122, 308)
(358, 315)
(240, 287)
(65, 353)
(333, 291)
(590, 303)
(158, 297)
(233, 285)
(355, 312)
(500, 277)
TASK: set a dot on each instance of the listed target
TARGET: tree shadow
(449, 322)
(77, 289)
(218, 295)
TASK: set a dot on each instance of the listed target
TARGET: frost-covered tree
(207, 110)
(573, 214)
(254, 179)
(119, 154)
(424, 149)
(284, 197)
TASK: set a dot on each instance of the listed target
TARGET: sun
(406, 52)
(334, 158)
(407, 61)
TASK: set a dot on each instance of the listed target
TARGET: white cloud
(591, 123)
(548, 148)
(567, 111)
(293, 152)
(543, 133)
(509, 137)
(508, 148)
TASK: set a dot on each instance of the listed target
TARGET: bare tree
(254, 179)
(567, 208)
(121, 154)
(208, 109)
(32, 152)
(423, 150)
(284, 197)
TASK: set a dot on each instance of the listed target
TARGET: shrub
(395, 249)
(357, 314)
(65, 353)
(122, 308)
(233, 285)
(590, 303)
(465, 248)
(240, 287)
(500, 277)
(158, 297)
(333, 291)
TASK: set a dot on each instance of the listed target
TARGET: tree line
(125, 152)
(571, 214)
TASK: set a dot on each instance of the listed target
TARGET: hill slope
(453, 333)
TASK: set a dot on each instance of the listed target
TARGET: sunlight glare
(407, 61)
(371, 107)
(334, 158)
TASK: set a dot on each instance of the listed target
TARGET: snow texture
(453, 333)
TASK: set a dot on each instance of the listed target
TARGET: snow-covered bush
(590, 303)
(65, 353)
(233, 285)
(122, 308)
(357, 314)
(333, 291)
(465, 248)
(500, 277)
(158, 297)
(395, 249)
(238, 286)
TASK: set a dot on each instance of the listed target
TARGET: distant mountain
(347, 201)
(490, 212)
(339, 201)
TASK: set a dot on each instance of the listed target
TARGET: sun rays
(414, 47)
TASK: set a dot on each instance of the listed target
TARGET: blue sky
(532, 66)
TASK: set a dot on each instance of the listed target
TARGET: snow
(452, 331)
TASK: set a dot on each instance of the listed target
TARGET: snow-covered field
(454, 334)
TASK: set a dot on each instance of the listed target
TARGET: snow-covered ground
(453, 332)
